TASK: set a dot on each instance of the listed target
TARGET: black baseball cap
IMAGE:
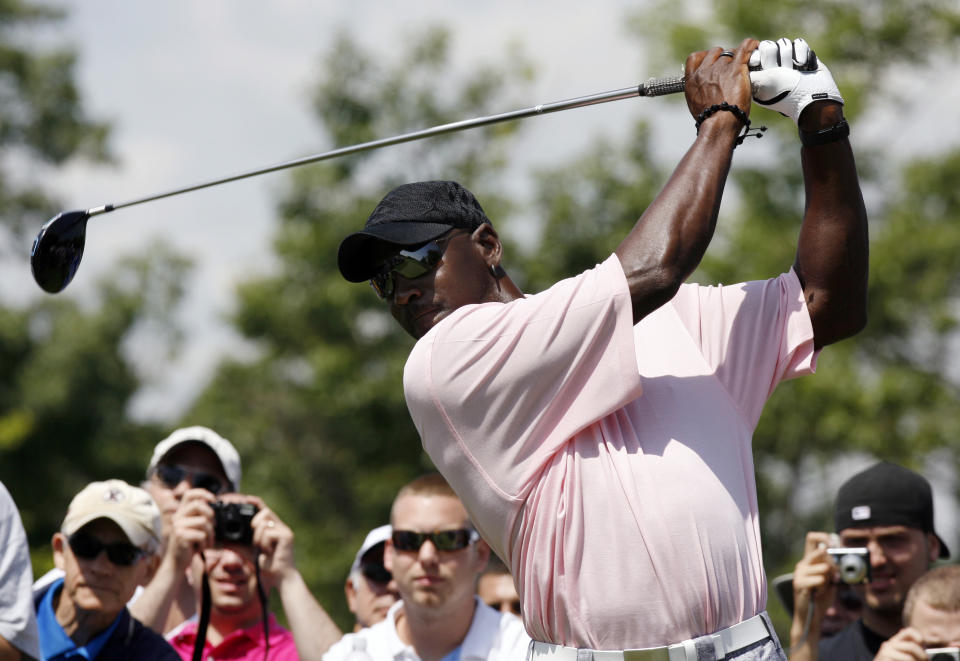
(407, 216)
(886, 495)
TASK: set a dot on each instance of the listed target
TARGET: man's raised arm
(671, 236)
(832, 250)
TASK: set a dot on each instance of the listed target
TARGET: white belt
(726, 641)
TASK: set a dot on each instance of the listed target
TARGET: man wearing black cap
(598, 432)
(887, 509)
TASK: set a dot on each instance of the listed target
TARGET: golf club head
(57, 250)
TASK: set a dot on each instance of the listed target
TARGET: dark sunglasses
(444, 540)
(88, 547)
(376, 573)
(507, 606)
(171, 476)
(410, 264)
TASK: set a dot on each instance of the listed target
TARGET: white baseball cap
(376, 536)
(128, 506)
(226, 453)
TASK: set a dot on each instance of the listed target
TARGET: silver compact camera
(943, 654)
(853, 563)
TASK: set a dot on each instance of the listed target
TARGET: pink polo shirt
(610, 464)
(240, 645)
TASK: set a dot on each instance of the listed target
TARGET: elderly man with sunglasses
(108, 544)
(435, 557)
(599, 432)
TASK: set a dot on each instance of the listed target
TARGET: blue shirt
(454, 655)
(55, 644)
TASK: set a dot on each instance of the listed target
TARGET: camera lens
(853, 569)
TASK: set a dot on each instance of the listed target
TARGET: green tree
(69, 369)
(319, 416)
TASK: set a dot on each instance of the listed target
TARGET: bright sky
(198, 89)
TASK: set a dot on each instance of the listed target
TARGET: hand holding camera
(908, 643)
(232, 522)
(853, 564)
(244, 519)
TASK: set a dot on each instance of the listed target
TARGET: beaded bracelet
(742, 116)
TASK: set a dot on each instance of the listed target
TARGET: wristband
(738, 112)
(835, 133)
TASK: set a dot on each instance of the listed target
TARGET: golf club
(58, 248)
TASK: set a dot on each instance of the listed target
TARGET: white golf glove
(786, 76)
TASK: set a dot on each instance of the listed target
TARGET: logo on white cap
(860, 513)
(113, 495)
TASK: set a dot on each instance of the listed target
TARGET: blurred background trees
(69, 368)
(317, 409)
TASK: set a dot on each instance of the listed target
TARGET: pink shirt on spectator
(610, 464)
(240, 645)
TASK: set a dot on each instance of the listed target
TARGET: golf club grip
(661, 86)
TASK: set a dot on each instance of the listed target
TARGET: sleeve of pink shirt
(531, 376)
(754, 334)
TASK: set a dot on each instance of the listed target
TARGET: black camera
(231, 522)
(943, 654)
(853, 562)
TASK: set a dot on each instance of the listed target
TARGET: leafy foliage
(319, 415)
(69, 370)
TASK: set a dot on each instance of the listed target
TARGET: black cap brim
(362, 253)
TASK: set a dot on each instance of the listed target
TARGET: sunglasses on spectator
(376, 573)
(443, 540)
(88, 547)
(171, 476)
(410, 264)
(507, 606)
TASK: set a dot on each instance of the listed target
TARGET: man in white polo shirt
(435, 557)
(599, 432)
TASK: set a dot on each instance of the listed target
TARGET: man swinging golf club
(599, 432)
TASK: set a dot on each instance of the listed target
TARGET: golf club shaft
(653, 87)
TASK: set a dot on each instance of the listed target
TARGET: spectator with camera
(435, 557)
(369, 587)
(187, 471)
(931, 619)
(252, 553)
(844, 611)
(888, 511)
(108, 544)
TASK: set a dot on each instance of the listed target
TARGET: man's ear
(153, 563)
(483, 555)
(351, 593)
(58, 541)
(388, 555)
(933, 547)
(488, 241)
